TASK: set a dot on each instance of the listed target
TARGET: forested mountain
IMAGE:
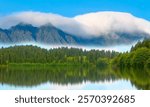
(138, 57)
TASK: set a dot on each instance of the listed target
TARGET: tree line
(138, 57)
(63, 55)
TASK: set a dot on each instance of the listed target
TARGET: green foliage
(102, 62)
(138, 57)
(148, 63)
(145, 43)
(65, 56)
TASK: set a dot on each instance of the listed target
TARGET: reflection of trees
(139, 78)
(31, 76)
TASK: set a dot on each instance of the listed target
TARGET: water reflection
(139, 78)
(64, 77)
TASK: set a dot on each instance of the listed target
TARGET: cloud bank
(87, 25)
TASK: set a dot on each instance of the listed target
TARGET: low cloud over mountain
(113, 27)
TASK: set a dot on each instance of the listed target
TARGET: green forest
(138, 57)
(72, 65)
(58, 56)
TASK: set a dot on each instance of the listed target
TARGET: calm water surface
(72, 78)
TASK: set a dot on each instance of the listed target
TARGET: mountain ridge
(49, 34)
(28, 33)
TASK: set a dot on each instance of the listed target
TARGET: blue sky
(70, 8)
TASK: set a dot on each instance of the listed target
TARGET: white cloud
(87, 25)
(108, 22)
(37, 19)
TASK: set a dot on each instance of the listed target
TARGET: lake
(72, 78)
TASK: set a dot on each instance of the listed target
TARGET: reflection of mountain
(48, 34)
(32, 76)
